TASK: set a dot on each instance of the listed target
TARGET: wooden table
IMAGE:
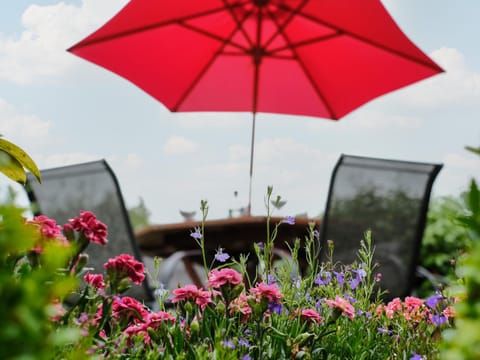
(235, 235)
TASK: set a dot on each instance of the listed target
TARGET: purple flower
(243, 342)
(275, 307)
(416, 357)
(323, 278)
(433, 300)
(290, 220)
(354, 283)
(385, 331)
(271, 279)
(439, 319)
(246, 357)
(339, 277)
(197, 233)
(221, 256)
(261, 245)
(229, 344)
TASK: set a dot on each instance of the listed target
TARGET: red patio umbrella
(321, 58)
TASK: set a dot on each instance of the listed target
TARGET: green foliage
(14, 161)
(31, 288)
(139, 215)
(463, 342)
(443, 241)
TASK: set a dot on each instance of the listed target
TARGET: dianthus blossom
(49, 231)
(217, 278)
(240, 305)
(48, 227)
(393, 306)
(152, 321)
(266, 291)
(129, 308)
(190, 292)
(414, 309)
(95, 280)
(343, 305)
(310, 315)
(126, 265)
(90, 227)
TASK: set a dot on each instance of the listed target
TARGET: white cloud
(179, 145)
(459, 83)
(22, 128)
(56, 160)
(221, 120)
(40, 50)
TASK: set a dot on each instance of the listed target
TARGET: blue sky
(64, 110)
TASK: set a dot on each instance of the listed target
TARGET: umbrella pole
(249, 207)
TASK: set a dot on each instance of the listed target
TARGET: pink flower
(310, 315)
(449, 312)
(342, 305)
(217, 278)
(393, 306)
(129, 308)
(48, 227)
(49, 232)
(126, 265)
(240, 305)
(191, 292)
(414, 308)
(90, 227)
(266, 291)
(95, 280)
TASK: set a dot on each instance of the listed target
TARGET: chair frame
(102, 166)
(419, 231)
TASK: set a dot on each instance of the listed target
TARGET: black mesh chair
(92, 186)
(388, 197)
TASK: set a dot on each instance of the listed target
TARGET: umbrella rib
(148, 27)
(368, 41)
(302, 65)
(224, 41)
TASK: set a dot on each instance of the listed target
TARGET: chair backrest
(91, 186)
(388, 197)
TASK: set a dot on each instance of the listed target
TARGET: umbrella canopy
(320, 58)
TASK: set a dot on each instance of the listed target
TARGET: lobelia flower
(88, 225)
(323, 278)
(124, 266)
(433, 300)
(196, 233)
(290, 220)
(339, 276)
(221, 256)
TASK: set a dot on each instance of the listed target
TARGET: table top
(236, 234)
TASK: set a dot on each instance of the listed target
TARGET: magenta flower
(124, 266)
(93, 229)
(48, 227)
(192, 293)
(217, 278)
(128, 308)
(95, 280)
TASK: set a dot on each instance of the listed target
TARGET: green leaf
(12, 168)
(474, 150)
(20, 156)
(474, 198)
